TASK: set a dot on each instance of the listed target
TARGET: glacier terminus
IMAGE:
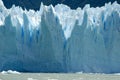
(60, 39)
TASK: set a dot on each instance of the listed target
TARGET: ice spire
(2, 7)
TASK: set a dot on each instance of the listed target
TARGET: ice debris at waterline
(58, 39)
(10, 72)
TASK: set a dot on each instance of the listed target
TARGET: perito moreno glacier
(59, 39)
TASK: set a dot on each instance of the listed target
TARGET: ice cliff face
(58, 39)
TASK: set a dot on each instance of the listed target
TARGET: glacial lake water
(59, 76)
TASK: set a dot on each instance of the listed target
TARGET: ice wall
(58, 39)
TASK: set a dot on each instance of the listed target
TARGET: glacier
(60, 39)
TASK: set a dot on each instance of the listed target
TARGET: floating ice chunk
(79, 72)
(116, 73)
(10, 72)
(31, 79)
(52, 79)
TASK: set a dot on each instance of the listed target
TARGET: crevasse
(59, 39)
